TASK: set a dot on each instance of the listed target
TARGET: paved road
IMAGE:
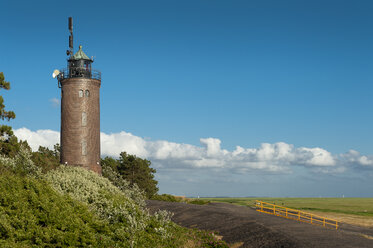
(255, 229)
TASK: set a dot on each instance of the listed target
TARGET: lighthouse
(80, 109)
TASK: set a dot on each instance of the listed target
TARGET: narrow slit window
(84, 119)
(87, 93)
(84, 147)
(80, 93)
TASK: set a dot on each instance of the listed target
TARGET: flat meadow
(356, 211)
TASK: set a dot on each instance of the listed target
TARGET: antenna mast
(71, 45)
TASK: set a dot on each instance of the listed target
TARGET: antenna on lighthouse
(71, 40)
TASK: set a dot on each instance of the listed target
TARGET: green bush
(21, 163)
(171, 198)
(97, 192)
(132, 191)
(47, 159)
(133, 225)
(74, 207)
(32, 214)
(167, 198)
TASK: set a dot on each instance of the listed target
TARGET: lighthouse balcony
(80, 72)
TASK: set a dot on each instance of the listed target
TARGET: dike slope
(238, 224)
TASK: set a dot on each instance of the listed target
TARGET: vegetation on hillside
(47, 159)
(32, 214)
(74, 207)
(44, 204)
(172, 198)
(135, 170)
(133, 225)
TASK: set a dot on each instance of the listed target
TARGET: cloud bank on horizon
(279, 157)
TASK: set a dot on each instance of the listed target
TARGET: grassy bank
(357, 211)
(355, 206)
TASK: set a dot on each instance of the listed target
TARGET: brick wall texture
(80, 132)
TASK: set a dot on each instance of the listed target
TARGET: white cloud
(317, 156)
(47, 138)
(114, 144)
(274, 158)
(55, 102)
(212, 146)
(353, 157)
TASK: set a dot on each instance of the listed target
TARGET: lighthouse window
(84, 119)
(87, 93)
(80, 93)
(84, 147)
(87, 66)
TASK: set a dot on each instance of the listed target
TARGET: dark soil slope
(254, 229)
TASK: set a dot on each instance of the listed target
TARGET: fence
(80, 72)
(294, 214)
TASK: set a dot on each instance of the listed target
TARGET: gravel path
(243, 224)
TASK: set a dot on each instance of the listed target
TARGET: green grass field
(354, 206)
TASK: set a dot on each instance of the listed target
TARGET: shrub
(133, 225)
(133, 192)
(168, 198)
(47, 159)
(99, 193)
(21, 163)
(33, 214)
(172, 198)
(74, 207)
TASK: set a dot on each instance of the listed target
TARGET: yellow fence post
(298, 215)
(274, 209)
(324, 222)
(311, 218)
(286, 210)
(261, 205)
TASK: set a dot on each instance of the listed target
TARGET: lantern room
(80, 65)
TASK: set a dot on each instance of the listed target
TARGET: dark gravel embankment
(242, 224)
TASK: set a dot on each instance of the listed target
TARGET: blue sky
(242, 73)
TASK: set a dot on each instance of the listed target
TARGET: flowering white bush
(163, 216)
(99, 193)
(133, 192)
(7, 162)
(113, 204)
(21, 163)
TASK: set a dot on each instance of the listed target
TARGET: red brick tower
(80, 110)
